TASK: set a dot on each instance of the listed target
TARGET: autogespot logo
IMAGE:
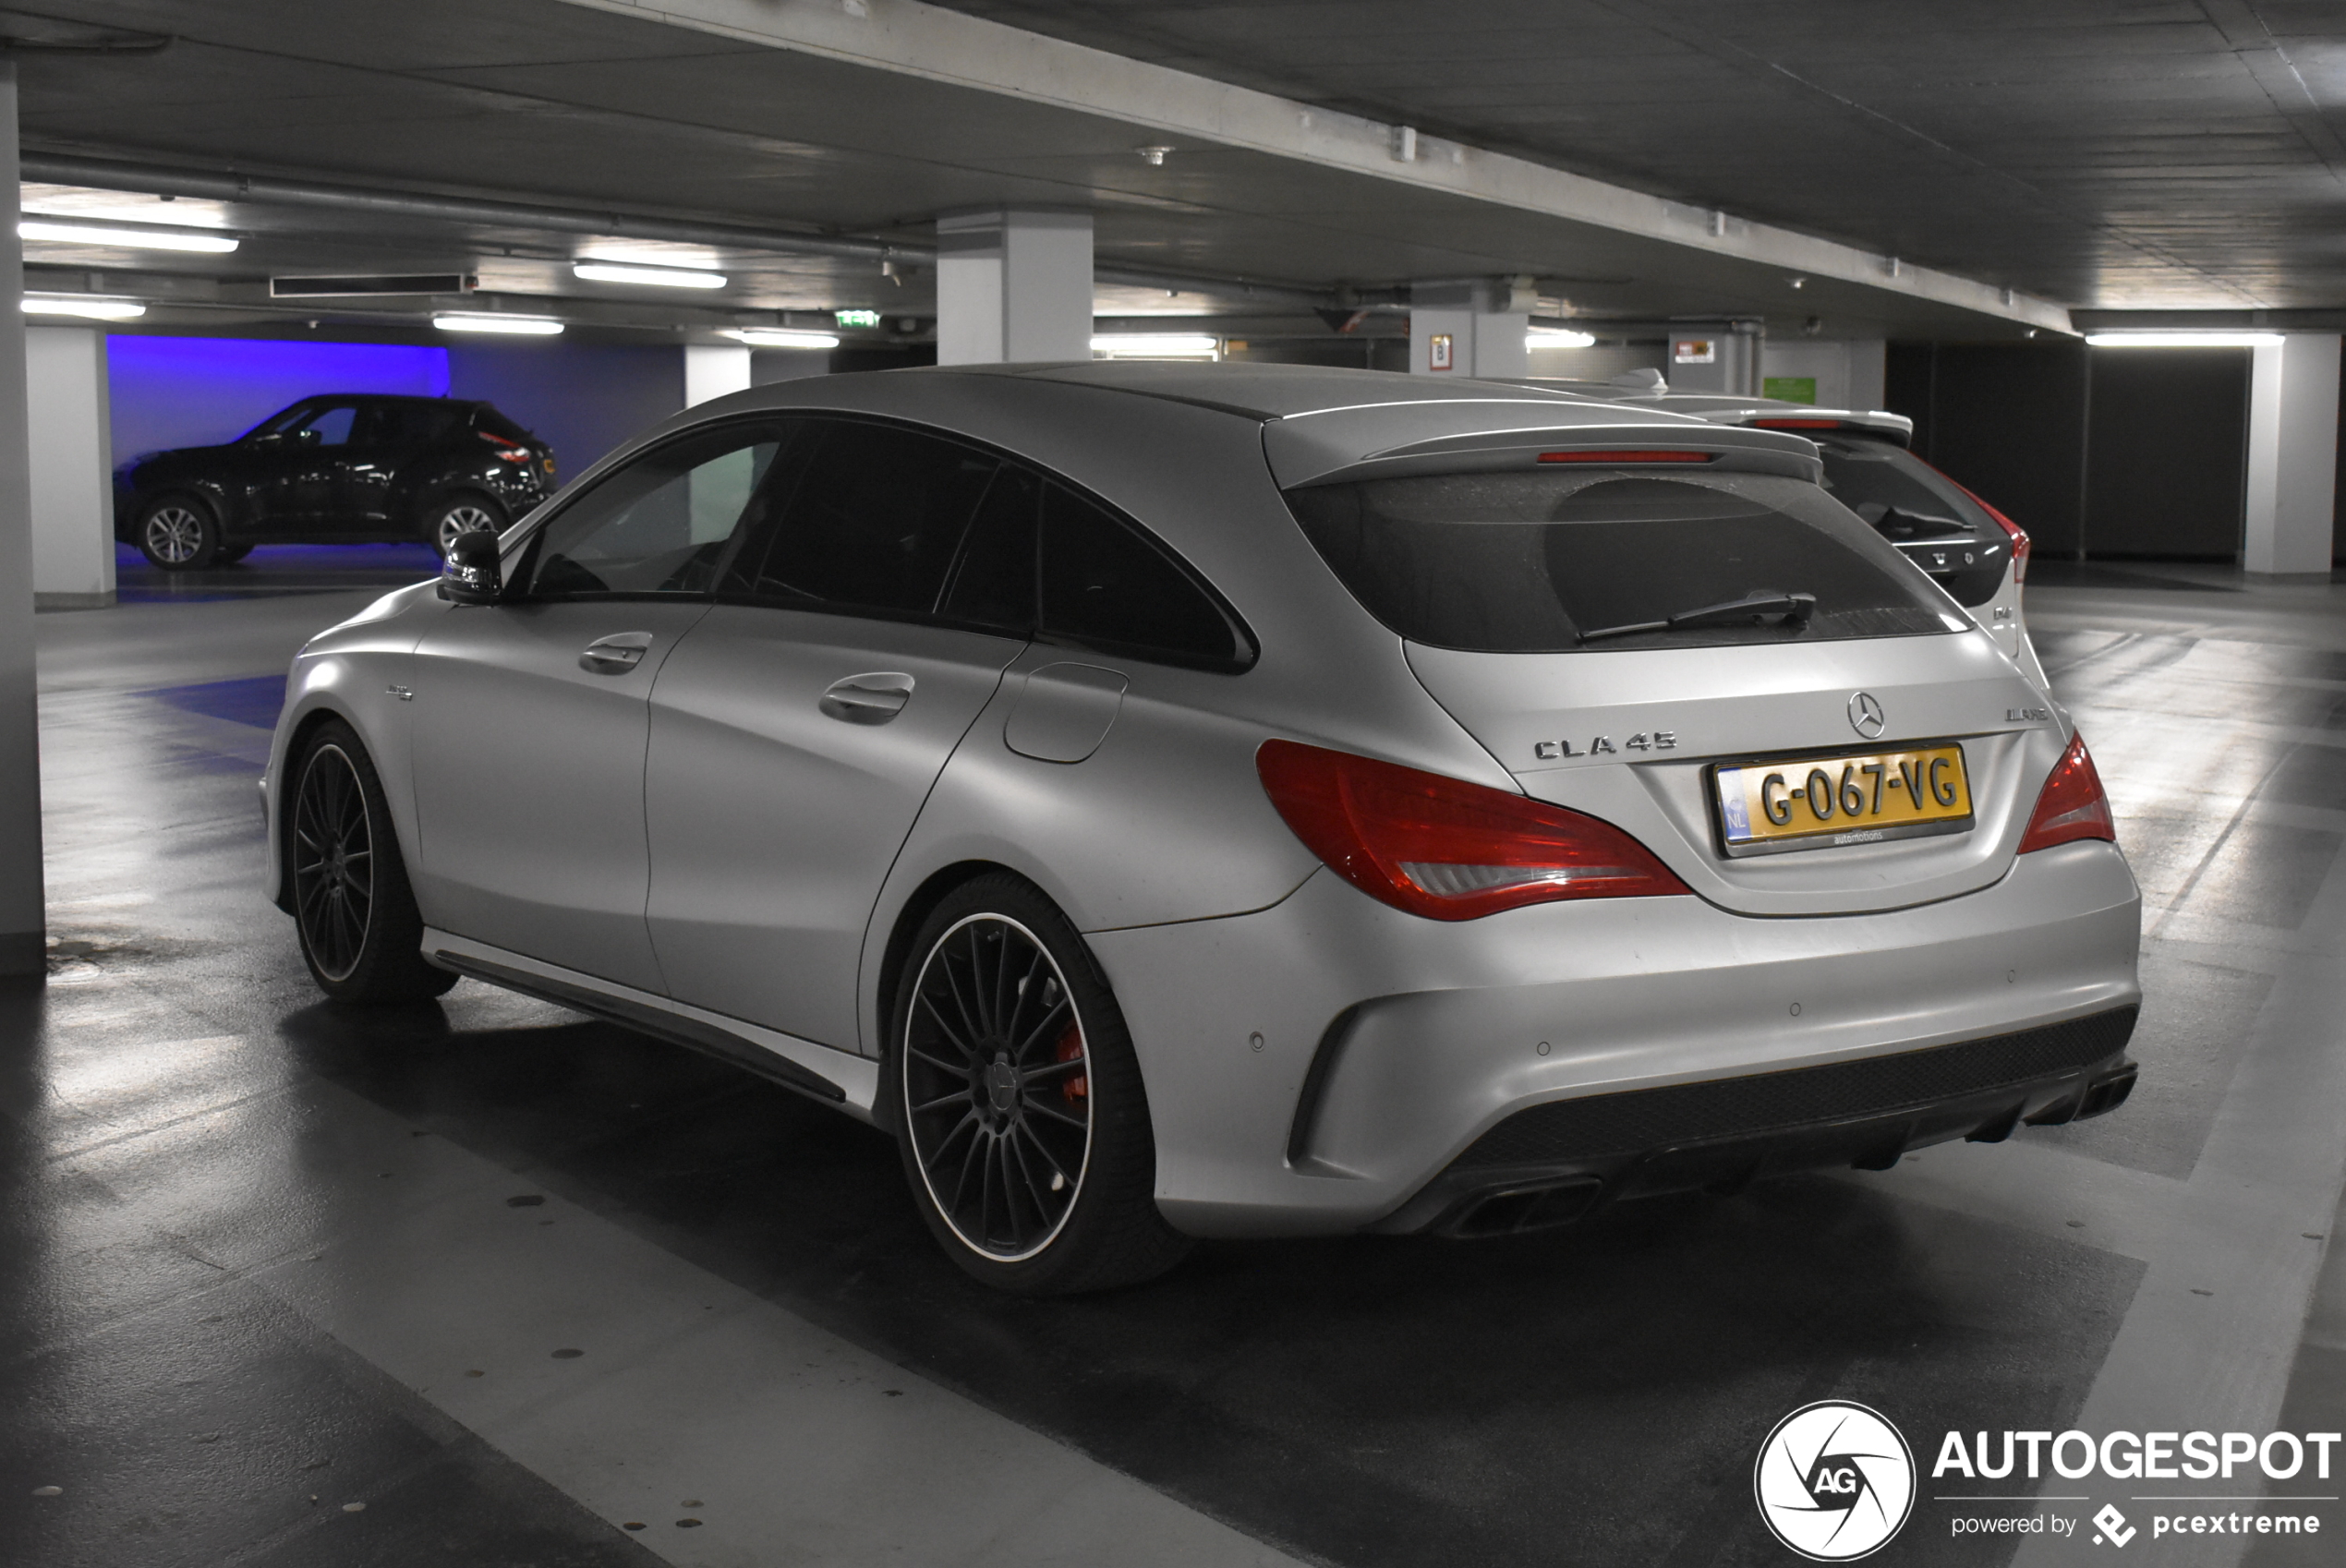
(1835, 1481)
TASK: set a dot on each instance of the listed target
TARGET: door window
(1104, 583)
(662, 524)
(873, 523)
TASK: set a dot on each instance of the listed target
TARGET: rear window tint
(486, 418)
(1536, 562)
(1938, 527)
(1105, 584)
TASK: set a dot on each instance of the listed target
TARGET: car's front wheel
(360, 932)
(179, 533)
(1021, 1115)
(458, 515)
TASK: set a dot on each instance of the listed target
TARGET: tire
(355, 913)
(460, 515)
(178, 533)
(1019, 1113)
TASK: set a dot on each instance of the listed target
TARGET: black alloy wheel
(359, 929)
(1025, 1128)
(179, 533)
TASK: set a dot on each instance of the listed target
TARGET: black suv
(337, 469)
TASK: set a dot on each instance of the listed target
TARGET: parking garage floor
(486, 1283)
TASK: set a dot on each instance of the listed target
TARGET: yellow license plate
(1814, 802)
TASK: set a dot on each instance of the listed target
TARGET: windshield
(1518, 562)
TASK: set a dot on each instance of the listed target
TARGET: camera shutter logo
(1835, 1481)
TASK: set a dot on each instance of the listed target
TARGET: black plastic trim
(692, 1034)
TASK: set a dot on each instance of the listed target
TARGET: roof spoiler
(1374, 443)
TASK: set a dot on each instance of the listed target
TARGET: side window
(993, 583)
(329, 426)
(1104, 582)
(660, 524)
(874, 521)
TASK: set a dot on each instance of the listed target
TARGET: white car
(1196, 801)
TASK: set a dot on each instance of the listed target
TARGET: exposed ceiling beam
(910, 39)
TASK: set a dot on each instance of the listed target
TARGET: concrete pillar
(1467, 330)
(72, 466)
(2292, 454)
(23, 924)
(715, 369)
(1013, 286)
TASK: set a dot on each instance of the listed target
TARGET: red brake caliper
(1070, 1047)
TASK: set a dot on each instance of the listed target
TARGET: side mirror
(470, 573)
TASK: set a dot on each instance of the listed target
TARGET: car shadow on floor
(1367, 1401)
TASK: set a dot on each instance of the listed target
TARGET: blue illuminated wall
(199, 391)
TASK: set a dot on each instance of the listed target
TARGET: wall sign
(1694, 351)
(1437, 352)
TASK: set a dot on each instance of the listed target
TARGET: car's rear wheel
(461, 514)
(179, 533)
(1022, 1118)
(361, 935)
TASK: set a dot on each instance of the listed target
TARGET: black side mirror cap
(471, 573)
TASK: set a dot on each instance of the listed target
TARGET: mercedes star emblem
(1865, 714)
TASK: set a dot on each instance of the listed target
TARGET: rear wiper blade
(1794, 608)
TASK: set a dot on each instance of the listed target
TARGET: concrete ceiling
(870, 117)
(2103, 153)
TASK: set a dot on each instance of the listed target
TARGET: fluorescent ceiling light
(782, 337)
(657, 277)
(82, 306)
(530, 326)
(1156, 345)
(131, 239)
(2181, 340)
(1558, 337)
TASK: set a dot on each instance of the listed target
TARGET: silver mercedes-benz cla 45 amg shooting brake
(1218, 801)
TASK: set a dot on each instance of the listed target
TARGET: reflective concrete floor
(488, 1283)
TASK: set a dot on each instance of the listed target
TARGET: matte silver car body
(1126, 792)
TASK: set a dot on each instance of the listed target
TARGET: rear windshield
(496, 424)
(1555, 563)
(1916, 508)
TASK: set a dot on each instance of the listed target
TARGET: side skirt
(836, 1078)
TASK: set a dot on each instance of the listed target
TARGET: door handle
(615, 654)
(867, 699)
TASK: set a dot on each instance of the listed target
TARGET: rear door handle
(868, 699)
(615, 654)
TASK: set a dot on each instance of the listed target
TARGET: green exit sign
(856, 318)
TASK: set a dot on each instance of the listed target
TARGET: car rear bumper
(1551, 1164)
(1331, 1065)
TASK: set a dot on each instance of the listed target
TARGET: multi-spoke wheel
(1024, 1127)
(461, 514)
(360, 932)
(179, 533)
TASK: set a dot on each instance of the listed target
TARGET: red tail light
(2072, 805)
(1446, 848)
(512, 452)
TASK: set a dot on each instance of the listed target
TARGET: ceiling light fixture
(2181, 340)
(656, 277)
(782, 337)
(82, 306)
(524, 326)
(128, 239)
(1558, 337)
(1156, 345)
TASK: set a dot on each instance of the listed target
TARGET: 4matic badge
(1835, 1481)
